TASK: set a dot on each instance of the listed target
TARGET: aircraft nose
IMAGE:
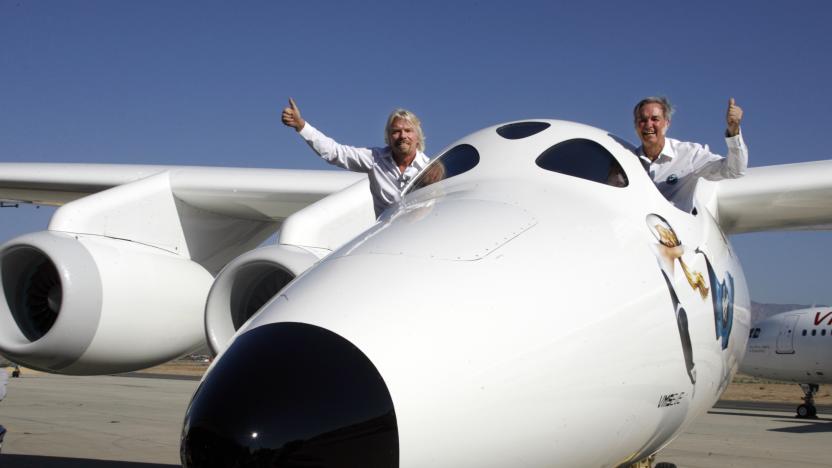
(291, 394)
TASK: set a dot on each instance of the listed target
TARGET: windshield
(455, 161)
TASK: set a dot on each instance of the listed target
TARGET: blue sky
(180, 82)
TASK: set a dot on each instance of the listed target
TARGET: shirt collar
(666, 151)
(418, 162)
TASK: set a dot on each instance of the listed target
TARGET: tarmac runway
(128, 422)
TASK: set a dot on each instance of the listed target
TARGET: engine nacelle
(246, 284)
(80, 304)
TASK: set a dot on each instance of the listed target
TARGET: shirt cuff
(308, 132)
(735, 142)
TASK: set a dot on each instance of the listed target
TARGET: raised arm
(352, 158)
(715, 167)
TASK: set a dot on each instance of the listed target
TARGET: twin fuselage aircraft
(525, 309)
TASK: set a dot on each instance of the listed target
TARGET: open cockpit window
(455, 161)
(585, 159)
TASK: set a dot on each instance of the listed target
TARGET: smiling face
(651, 126)
(403, 138)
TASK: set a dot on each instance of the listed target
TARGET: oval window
(519, 130)
(585, 159)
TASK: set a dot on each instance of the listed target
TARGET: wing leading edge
(784, 197)
(241, 192)
(207, 214)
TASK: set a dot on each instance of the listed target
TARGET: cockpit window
(585, 159)
(455, 161)
(519, 130)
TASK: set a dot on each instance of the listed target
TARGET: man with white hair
(389, 168)
(675, 166)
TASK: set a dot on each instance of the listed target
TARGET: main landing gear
(807, 410)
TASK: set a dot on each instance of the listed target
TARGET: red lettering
(819, 319)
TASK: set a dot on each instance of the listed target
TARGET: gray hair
(667, 107)
(405, 114)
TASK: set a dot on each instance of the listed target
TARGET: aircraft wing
(784, 197)
(241, 192)
(120, 279)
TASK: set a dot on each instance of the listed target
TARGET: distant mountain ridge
(761, 311)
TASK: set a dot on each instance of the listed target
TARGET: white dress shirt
(386, 180)
(680, 165)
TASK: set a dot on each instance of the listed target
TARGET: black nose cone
(291, 395)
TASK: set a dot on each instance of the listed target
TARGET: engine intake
(78, 304)
(33, 290)
(246, 284)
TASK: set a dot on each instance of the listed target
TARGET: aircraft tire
(806, 411)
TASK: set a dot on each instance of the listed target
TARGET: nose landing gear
(807, 410)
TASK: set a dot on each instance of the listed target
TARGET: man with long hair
(389, 168)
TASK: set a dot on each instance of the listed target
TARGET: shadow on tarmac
(806, 426)
(766, 406)
(34, 461)
(735, 413)
(824, 422)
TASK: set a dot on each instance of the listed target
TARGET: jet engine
(246, 284)
(85, 304)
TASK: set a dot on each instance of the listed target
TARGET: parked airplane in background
(795, 346)
(530, 273)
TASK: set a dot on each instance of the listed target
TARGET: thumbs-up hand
(291, 116)
(733, 117)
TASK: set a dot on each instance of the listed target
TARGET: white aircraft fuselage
(533, 300)
(507, 315)
(795, 346)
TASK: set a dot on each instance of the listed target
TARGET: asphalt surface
(134, 420)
